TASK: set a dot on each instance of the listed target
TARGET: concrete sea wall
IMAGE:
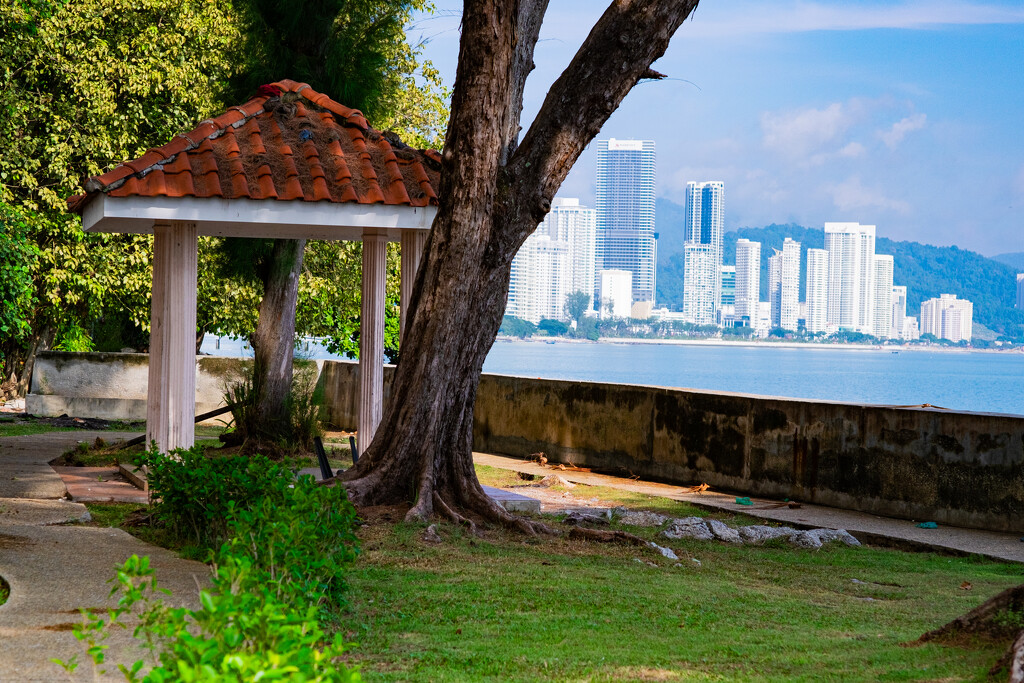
(964, 469)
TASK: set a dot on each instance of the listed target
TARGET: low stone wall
(964, 469)
(113, 386)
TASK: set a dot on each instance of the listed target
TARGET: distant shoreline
(754, 344)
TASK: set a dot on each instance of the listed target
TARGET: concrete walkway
(54, 567)
(866, 527)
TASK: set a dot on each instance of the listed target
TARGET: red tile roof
(288, 143)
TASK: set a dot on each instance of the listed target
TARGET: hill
(1014, 259)
(927, 272)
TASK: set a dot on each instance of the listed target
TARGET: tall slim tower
(625, 213)
(569, 222)
(899, 310)
(705, 225)
(851, 286)
(1020, 290)
(784, 285)
(748, 278)
(817, 291)
(882, 327)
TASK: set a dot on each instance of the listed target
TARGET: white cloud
(899, 130)
(852, 194)
(852, 150)
(802, 132)
(757, 16)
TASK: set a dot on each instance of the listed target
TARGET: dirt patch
(9, 542)
(66, 626)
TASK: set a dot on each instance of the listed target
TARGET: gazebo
(289, 163)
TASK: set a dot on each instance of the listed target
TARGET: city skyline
(820, 111)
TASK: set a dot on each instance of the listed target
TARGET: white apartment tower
(882, 327)
(569, 222)
(899, 310)
(784, 285)
(555, 261)
(616, 294)
(1020, 290)
(705, 226)
(948, 318)
(625, 213)
(817, 291)
(748, 278)
(851, 286)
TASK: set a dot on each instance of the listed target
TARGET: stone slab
(512, 502)
(100, 485)
(867, 528)
(25, 470)
(27, 512)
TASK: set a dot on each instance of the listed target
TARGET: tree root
(606, 536)
(451, 514)
(980, 620)
(1017, 659)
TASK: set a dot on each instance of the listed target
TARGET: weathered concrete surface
(113, 386)
(865, 527)
(965, 469)
(54, 569)
(100, 485)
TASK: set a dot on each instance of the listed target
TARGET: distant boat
(895, 352)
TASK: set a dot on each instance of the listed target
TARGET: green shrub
(242, 633)
(194, 494)
(303, 543)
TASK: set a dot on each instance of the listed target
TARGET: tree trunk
(493, 193)
(42, 340)
(273, 345)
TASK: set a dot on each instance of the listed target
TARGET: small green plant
(242, 632)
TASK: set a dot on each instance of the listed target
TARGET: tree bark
(492, 195)
(273, 345)
(42, 340)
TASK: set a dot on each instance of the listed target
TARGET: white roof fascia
(272, 218)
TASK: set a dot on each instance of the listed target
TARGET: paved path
(54, 568)
(866, 527)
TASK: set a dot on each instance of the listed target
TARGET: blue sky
(906, 115)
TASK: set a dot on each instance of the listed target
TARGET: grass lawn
(12, 428)
(508, 608)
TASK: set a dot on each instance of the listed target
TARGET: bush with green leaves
(242, 633)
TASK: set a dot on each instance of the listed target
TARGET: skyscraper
(1020, 290)
(817, 290)
(555, 261)
(705, 225)
(748, 278)
(851, 286)
(784, 285)
(625, 212)
(616, 293)
(882, 327)
(569, 222)
(729, 286)
(899, 310)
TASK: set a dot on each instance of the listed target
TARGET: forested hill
(926, 271)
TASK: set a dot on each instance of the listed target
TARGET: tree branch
(618, 53)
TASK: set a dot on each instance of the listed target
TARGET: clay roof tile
(298, 145)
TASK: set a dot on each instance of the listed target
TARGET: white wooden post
(412, 250)
(371, 337)
(171, 405)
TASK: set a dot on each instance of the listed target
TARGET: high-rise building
(817, 291)
(748, 278)
(784, 285)
(554, 261)
(569, 222)
(705, 225)
(948, 318)
(701, 270)
(1020, 290)
(729, 286)
(851, 286)
(616, 295)
(541, 278)
(882, 327)
(899, 310)
(625, 212)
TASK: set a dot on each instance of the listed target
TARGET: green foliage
(304, 406)
(553, 328)
(242, 633)
(17, 295)
(576, 305)
(194, 494)
(516, 327)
